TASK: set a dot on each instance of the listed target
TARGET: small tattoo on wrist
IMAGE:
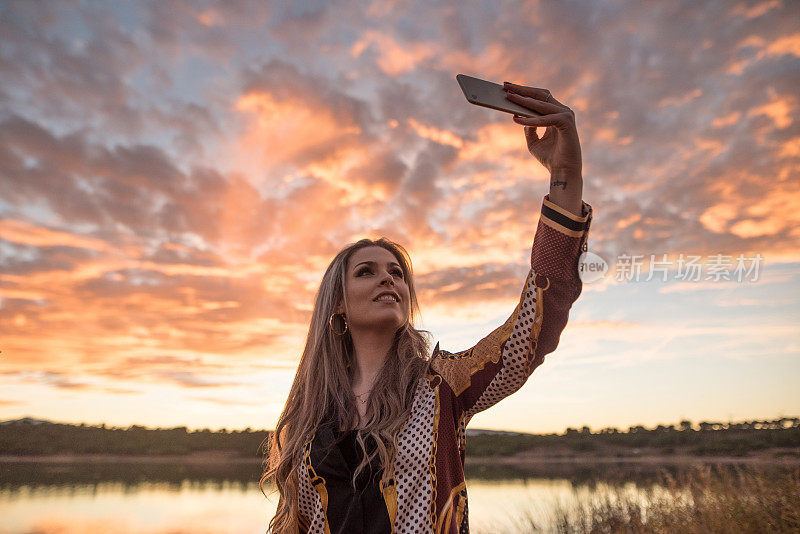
(556, 183)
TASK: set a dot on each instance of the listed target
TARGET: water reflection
(576, 473)
(161, 507)
(161, 498)
(14, 474)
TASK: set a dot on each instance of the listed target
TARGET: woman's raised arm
(500, 363)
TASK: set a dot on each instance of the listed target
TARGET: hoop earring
(344, 319)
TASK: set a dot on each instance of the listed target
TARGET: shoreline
(195, 458)
(522, 461)
(528, 458)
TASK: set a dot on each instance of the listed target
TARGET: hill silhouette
(35, 437)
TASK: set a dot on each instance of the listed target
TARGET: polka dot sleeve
(499, 364)
(560, 238)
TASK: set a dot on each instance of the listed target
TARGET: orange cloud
(681, 100)
(790, 149)
(493, 140)
(286, 130)
(757, 10)
(210, 18)
(435, 134)
(781, 110)
(25, 233)
(784, 45)
(304, 137)
(394, 58)
(789, 44)
(727, 120)
(495, 62)
(776, 209)
(610, 135)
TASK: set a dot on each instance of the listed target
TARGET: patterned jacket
(427, 491)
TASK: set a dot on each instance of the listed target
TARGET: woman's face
(377, 293)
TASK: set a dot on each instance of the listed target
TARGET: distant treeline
(706, 438)
(29, 437)
(21, 438)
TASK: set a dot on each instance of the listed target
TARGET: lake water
(173, 498)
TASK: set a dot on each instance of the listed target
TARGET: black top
(335, 456)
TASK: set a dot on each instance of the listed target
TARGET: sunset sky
(176, 176)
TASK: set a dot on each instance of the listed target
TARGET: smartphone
(491, 95)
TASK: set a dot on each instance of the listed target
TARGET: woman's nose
(387, 277)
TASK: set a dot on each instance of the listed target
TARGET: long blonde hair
(322, 387)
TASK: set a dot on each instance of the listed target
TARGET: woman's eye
(366, 270)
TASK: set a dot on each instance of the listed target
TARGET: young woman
(372, 437)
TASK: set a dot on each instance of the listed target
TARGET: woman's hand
(559, 149)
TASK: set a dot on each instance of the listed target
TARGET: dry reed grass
(704, 500)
